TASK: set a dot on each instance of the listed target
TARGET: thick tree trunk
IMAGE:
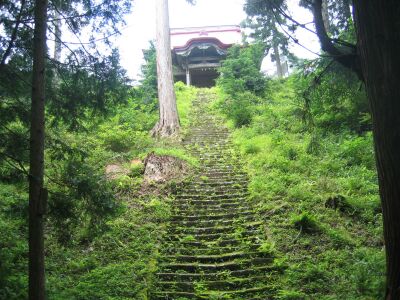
(168, 123)
(325, 15)
(37, 194)
(378, 31)
(278, 63)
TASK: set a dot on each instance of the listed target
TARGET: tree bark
(325, 15)
(378, 33)
(168, 123)
(279, 71)
(37, 194)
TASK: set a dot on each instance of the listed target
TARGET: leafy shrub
(239, 108)
(240, 71)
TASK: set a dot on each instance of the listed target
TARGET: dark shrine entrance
(197, 52)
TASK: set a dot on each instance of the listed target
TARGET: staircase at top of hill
(212, 248)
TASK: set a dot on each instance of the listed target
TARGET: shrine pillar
(187, 76)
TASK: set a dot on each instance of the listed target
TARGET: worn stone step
(264, 292)
(221, 285)
(224, 242)
(213, 204)
(190, 190)
(235, 265)
(208, 211)
(223, 174)
(212, 236)
(213, 222)
(178, 249)
(212, 217)
(204, 182)
(214, 229)
(212, 259)
(213, 197)
(217, 201)
(253, 271)
(218, 181)
(210, 202)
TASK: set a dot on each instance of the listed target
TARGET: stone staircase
(212, 248)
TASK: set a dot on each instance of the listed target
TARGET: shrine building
(197, 52)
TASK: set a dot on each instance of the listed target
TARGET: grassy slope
(118, 263)
(326, 253)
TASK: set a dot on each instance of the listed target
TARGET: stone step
(253, 271)
(178, 249)
(240, 264)
(243, 294)
(202, 135)
(211, 217)
(219, 184)
(221, 179)
(221, 285)
(206, 202)
(224, 242)
(192, 190)
(214, 229)
(206, 211)
(213, 222)
(211, 259)
(213, 197)
(199, 204)
(181, 237)
(222, 174)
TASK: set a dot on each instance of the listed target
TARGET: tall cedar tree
(378, 37)
(168, 123)
(37, 194)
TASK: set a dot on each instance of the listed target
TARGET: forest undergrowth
(312, 179)
(316, 189)
(102, 232)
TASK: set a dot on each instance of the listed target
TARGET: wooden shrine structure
(197, 52)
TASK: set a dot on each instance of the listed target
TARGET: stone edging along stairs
(212, 246)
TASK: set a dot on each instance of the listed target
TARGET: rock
(163, 168)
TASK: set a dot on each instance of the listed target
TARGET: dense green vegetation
(101, 234)
(304, 141)
(319, 199)
(307, 149)
(309, 153)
